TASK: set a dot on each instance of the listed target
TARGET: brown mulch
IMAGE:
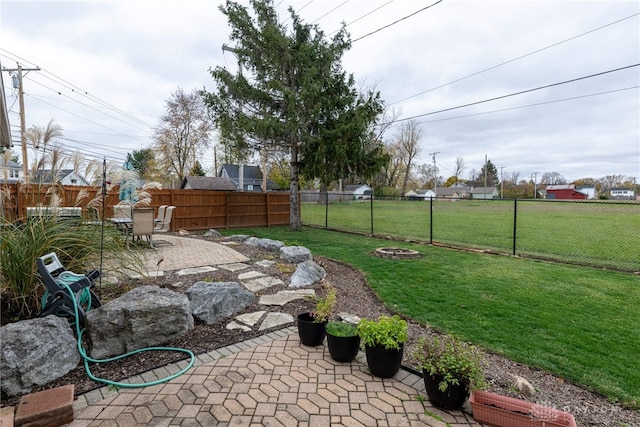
(357, 298)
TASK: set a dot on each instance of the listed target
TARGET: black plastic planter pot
(343, 349)
(452, 398)
(382, 362)
(311, 333)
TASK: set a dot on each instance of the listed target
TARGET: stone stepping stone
(256, 285)
(236, 266)
(148, 274)
(250, 318)
(229, 243)
(283, 297)
(275, 319)
(235, 325)
(196, 270)
(250, 275)
(265, 263)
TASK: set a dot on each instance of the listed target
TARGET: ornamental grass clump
(455, 361)
(76, 245)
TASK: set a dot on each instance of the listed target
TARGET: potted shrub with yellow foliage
(311, 325)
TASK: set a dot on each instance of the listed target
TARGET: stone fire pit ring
(396, 253)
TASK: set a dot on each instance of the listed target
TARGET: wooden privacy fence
(195, 209)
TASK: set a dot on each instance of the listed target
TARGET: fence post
(226, 210)
(268, 202)
(515, 227)
(371, 199)
(431, 220)
(326, 212)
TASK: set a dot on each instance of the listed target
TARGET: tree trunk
(294, 205)
(323, 200)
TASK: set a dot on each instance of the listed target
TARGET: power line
(332, 10)
(364, 16)
(531, 105)
(516, 93)
(72, 113)
(72, 87)
(88, 106)
(517, 58)
(399, 20)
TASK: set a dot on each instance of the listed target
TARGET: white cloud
(133, 55)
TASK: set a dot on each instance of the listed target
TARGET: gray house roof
(207, 183)
(251, 175)
(44, 177)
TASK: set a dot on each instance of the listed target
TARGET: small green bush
(387, 332)
(456, 361)
(341, 329)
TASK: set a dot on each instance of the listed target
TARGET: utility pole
(23, 126)
(435, 173)
(535, 178)
(501, 183)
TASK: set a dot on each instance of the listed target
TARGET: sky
(107, 69)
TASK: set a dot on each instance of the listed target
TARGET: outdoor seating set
(138, 222)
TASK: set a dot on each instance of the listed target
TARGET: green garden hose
(86, 359)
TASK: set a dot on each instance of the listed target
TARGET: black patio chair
(57, 299)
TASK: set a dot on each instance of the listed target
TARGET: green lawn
(595, 233)
(579, 323)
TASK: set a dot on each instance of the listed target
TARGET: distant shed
(565, 192)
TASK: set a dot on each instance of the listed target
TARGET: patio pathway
(271, 380)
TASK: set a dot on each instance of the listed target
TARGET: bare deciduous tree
(459, 168)
(183, 134)
(407, 141)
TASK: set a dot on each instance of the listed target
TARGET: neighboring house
(419, 194)
(589, 190)
(207, 183)
(425, 194)
(64, 177)
(461, 185)
(251, 177)
(620, 193)
(484, 193)
(459, 192)
(359, 191)
(565, 192)
(10, 172)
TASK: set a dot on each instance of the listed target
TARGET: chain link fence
(595, 233)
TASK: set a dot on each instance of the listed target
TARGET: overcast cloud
(130, 56)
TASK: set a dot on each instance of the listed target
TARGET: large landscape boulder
(270, 245)
(214, 301)
(295, 254)
(307, 273)
(35, 352)
(144, 317)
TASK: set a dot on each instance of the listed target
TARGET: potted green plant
(343, 341)
(451, 369)
(311, 324)
(383, 341)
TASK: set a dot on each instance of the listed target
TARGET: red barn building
(565, 192)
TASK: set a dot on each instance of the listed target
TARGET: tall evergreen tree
(291, 94)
